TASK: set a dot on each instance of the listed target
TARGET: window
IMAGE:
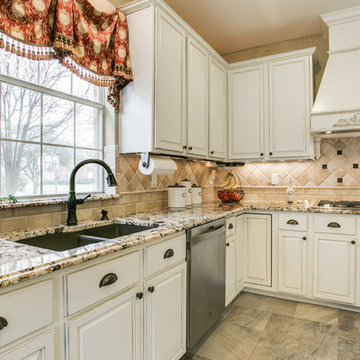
(50, 120)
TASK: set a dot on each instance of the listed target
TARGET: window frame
(42, 90)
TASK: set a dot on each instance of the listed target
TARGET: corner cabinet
(166, 109)
(270, 101)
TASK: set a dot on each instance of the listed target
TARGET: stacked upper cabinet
(179, 94)
(270, 100)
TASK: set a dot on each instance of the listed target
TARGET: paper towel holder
(145, 160)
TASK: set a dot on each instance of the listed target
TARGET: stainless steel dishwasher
(206, 278)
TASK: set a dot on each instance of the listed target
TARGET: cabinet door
(166, 315)
(290, 102)
(197, 100)
(239, 254)
(217, 110)
(246, 113)
(230, 271)
(169, 85)
(293, 262)
(111, 331)
(258, 249)
(334, 267)
(40, 348)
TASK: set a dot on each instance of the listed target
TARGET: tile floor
(265, 328)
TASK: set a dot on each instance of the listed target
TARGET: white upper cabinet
(290, 101)
(169, 96)
(246, 113)
(197, 99)
(270, 100)
(217, 110)
(166, 108)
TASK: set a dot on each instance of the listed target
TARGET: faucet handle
(81, 201)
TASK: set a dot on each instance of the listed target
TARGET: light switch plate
(274, 179)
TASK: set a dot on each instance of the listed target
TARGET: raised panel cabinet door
(197, 99)
(112, 331)
(217, 110)
(290, 102)
(239, 253)
(230, 272)
(293, 262)
(169, 85)
(334, 267)
(40, 348)
(246, 113)
(166, 315)
(258, 249)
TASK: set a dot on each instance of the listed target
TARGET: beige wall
(319, 41)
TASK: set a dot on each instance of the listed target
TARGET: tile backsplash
(130, 179)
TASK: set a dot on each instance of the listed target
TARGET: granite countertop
(19, 262)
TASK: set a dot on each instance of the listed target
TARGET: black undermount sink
(71, 240)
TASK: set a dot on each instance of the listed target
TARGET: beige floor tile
(349, 321)
(266, 303)
(318, 313)
(229, 342)
(349, 345)
(250, 317)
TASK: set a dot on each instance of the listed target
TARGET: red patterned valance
(92, 44)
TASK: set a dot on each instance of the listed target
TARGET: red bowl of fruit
(230, 195)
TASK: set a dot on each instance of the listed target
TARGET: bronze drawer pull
(292, 222)
(108, 279)
(151, 289)
(231, 226)
(139, 295)
(334, 225)
(169, 253)
(3, 323)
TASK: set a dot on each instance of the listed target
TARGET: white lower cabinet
(293, 262)
(258, 249)
(165, 319)
(334, 267)
(230, 270)
(239, 254)
(40, 348)
(111, 331)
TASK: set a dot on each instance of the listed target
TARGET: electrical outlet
(274, 179)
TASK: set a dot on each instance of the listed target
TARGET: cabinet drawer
(26, 310)
(88, 286)
(335, 224)
(230, 226)
(165, 254)
(293, 222)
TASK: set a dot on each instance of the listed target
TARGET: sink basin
(71, 240)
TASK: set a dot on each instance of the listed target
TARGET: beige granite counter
(19, 262)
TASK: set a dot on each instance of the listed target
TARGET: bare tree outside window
(42, 134)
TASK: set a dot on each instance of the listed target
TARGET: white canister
(196, 195)
(176, 197)
(187, 184)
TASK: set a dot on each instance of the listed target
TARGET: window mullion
(42, 144)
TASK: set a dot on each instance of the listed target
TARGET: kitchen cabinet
(166, 108)
(40, 348)
(230, 278)
(239, 254)
(293, 262)
(246, 113)
(334, 267)
(217, 110)
(166, 315)
(258, 249)
(110, 331)
(270, 100)
(197, 99)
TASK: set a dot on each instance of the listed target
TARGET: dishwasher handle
(197, 238)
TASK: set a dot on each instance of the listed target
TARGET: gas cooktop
(339, 204)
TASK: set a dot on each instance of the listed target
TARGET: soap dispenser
(290, 192)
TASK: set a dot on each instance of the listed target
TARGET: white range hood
(337, 105)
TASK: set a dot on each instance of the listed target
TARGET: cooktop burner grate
(339, 204)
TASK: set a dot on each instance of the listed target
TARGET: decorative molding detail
(351, 121)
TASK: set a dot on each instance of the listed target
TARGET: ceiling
(232, 25)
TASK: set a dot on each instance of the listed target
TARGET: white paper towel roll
(158, 166)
